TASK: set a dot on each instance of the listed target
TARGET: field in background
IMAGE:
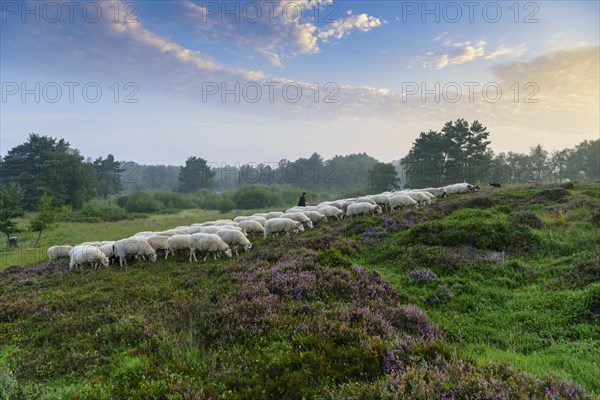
(510, 274)
(72, 233)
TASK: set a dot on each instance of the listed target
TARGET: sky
(156, 82)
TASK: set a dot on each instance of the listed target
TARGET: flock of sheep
(227, 236)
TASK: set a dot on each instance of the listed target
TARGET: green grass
(72, 233)
(528, 307)
(296, 318)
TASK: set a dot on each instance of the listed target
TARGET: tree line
(337, 175)
(46, 166)
(460, 152)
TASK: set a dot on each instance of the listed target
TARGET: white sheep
(273, 214)
(252, 227)
(235, 239)
(87, 255)
(437, 192)
(301, 209)
(95, 244)
(300, 217)
(402, 201)
(108, 251)
(209, 243)
(143, 234)
(56, 252)
(363, 209)
(177, 242)
(222, 222)
(315, 216)
(426, 193)
(158, 242)
(171, 232)
(133, 247)
(338, 203)
(419, 197)
(331, 211)
(286, 225)
(259, 219)
(216, 228)
(192, 229)
(458, 188)
(382, 200)
(240, 218)
(366, 199)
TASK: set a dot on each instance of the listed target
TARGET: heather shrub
(442, 294)
(553, 194)
(372, 235)
(591, 300)
(449, 377)
(586, 271)
(476, 201)
(479, 228)
(424, 274)
(595, 218)
(527, 218)
(332, 257)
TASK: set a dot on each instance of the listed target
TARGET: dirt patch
(21, 273)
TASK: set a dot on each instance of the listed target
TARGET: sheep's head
(228, 252)
(104, 261)
(309, 224)
(248, 247)
(152, 257)
(378, 209)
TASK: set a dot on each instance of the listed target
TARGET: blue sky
(183, 78)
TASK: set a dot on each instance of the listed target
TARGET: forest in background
(49, 167)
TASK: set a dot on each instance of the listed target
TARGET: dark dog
(496, 185)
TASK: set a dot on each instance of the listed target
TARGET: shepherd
(302, 201)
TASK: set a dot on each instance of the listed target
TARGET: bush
(226, 205)
(479, 228)
(95, 211)
(121, 201)
(255, 196)
(333, 258)
(424, 274)
(527, 218)
(568, 185)
(586, 271)
(591, 299)
(175, 200)
(596, 218)
(142, 202)
(207, 199)
(554, 194)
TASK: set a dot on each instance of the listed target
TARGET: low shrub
(527, 218)
(482, 229)
(553, 194)
(94, 211)
(226, 205)
(332, 257)
(424, 274)
(175, 200)
(142, 202)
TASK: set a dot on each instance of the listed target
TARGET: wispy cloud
(457, 53)
(279, 36)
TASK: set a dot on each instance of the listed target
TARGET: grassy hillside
(417, 304)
